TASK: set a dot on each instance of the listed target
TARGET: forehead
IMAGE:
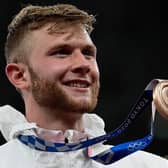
(62, 32)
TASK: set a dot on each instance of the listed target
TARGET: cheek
(54, 73)
(50, 70)
(96, 72)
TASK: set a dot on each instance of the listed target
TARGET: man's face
(63, 69)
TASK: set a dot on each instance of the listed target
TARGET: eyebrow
(60, 46)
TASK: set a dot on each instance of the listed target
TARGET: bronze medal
(160, 98)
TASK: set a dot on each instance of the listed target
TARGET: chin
(83, 106)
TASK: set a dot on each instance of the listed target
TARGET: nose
(82, 69)
(81, 64)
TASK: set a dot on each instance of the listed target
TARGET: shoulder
(141, 159)
(9, 149)
(151, 159)
(12, 153)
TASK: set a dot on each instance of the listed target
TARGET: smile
(78, 84)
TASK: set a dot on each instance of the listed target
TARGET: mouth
(77, 84)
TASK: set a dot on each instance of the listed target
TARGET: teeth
(79, 85)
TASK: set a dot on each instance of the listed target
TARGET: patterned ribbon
(114, 153)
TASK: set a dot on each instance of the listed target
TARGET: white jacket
(14, 154)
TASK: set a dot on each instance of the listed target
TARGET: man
(51, 60)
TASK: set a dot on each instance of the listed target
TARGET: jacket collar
(13, 122)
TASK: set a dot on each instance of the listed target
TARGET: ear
(17, 75)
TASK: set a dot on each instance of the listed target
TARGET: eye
(89, 52)
(61, 52)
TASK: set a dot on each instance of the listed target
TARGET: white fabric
(14, 154)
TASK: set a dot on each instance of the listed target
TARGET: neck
(54, 119)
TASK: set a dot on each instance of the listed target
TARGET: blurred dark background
(128, 36)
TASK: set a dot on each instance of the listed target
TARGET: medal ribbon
(114, 153)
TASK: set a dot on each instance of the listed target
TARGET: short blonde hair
(34, 17)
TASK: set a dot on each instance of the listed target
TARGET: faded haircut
(33, 18)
